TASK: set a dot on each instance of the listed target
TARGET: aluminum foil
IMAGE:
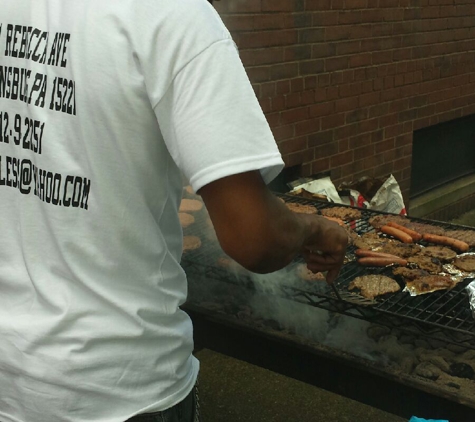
(471, 296)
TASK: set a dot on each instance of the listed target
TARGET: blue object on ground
(416, 419)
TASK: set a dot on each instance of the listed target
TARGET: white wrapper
(471, 296)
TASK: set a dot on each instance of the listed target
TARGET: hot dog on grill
(368, 252)
(414, 235)
(447, 241)
(398, 234)
(374, 261)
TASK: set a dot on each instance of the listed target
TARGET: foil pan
(450, 270)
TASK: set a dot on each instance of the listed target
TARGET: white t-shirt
(103, 105)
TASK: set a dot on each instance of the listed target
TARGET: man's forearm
(258, 231)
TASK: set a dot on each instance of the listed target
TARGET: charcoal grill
(443, 314)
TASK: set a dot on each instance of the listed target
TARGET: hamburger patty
(430, 283)
(301, 208)
(442, 253)
(403, 250)
(465, 262)
(374, 285)
(342, 213)
(432, 265)
(370, 241)
(304, 273)
(409, 273)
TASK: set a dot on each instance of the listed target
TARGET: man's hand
(326, 251)
(259, 231)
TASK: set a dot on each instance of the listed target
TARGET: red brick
(326, 18)
(266, 39)
(284, 71)
(334, 33)
(322, 137)
(343, 145)
(337, 63)
(360, 60)
(293, 100)
(347, 131)
(298, 158)
(342, 77)
(333, 121)
(318, 5)
(283, 132)
(282, 87)
(356, 115)
(265, 104)
(378, 110)
(346, 104)
(293, 145)
(269, 21)
(322, 50)
(341, 159)
(369, 125)
(244, 6)
(356, 4)
(294, 115)
(320, 165)
(384, 146)
(311, 67)
(350, 17)
(308, 126)
(311, 35)
(297, 52)
(322, 109)
(279, 5)
(348, 47)
(262, 56)
(369, 99)
(363, 151)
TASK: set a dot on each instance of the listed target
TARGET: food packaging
(379, 194)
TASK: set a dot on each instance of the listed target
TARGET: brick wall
(344, 83)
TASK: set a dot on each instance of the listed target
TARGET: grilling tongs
(348, 297)
(335, 290)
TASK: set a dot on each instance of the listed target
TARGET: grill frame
(443, 315)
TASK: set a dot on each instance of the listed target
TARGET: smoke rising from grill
(319, 325)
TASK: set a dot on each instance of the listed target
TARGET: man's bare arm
(258, 231)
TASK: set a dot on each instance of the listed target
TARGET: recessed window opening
(442, 154)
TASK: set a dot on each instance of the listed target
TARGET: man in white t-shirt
(103, 106)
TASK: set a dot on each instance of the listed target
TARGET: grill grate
(440, 314)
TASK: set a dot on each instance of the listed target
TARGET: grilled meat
(432, 265)
(342, 213)
(301, 208)
(371, 286)
(370, 241)
(403, 250)
(409, 273)
(465, 262)
(441, 253)
(430, 283)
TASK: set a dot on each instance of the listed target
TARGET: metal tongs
(335, 290)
